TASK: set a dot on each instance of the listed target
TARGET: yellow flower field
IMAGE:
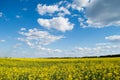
(60, 69)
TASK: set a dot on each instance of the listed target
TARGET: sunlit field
(60, 69)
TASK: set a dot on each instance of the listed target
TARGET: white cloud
(102, 44)
(23, 29)
(78, 4)
(49, 50)
(2, 41)
(43, 9)
(1, 14)
(63, 11)
(96, 13)
(58, 23)
(98, 50)
(17, 16)
(37, 39)
(113, 38)
(50, 9)
(80, 19)
(103, 13)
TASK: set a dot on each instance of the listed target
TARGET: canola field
(60, 69)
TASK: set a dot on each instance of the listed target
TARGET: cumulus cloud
(79, 4)
(50, 9)
(43, 9)
(63, 11)
(58, 23)
(103, 13)
(97, 13)
(113, 38)
(37, 39)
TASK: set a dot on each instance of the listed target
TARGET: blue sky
(59, 28)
